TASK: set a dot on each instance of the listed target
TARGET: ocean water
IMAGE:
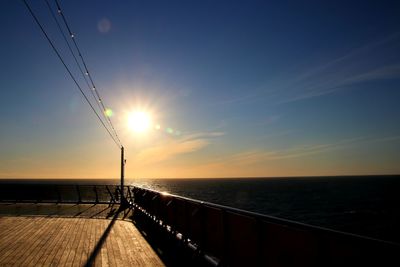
(364, 205)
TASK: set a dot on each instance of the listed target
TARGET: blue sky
(254, 88)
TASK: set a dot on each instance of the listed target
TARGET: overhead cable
(68, 70)
(94, 88)
(73, 55)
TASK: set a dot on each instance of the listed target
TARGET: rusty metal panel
(138, 194)
(214, 231)
(242, 240)
(146, 196)
(162, 205)
(341, 251)
(180, 216)
(162, 201)
(148, 202)
(350, 250)
(287, 246)
(168, 213)
(196, 222)
(155, 205)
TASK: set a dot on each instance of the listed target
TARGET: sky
(233, 89)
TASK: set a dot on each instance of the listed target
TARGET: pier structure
(68, 235)
(86, 225)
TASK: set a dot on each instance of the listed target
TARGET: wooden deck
(29, 239)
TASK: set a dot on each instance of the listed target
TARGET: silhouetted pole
(122, 173)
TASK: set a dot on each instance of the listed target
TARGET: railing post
(112, 200)
(129, 195)
(97, 196)
(58, 195)
(79, 194)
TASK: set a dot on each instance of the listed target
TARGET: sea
(362, 205)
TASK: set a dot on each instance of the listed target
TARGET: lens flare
(108, 112)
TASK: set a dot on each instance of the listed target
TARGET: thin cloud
(169, 150)
(269, 120)
(386, 72)
(393, 138)
(347, 57)
(254, 156)
(257, 162)
(237, 100)
(191, 136)
(251, 157)
(258, 156)
(364, 64)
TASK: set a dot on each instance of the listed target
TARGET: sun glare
(139, 121)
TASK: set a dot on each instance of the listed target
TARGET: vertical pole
(122, 173)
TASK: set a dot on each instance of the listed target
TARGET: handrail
(60, 193)
(270, 218)
(218, 235)
(232, 237)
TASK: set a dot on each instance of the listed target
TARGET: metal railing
(226, 236)
(217, 235)
(50, 193)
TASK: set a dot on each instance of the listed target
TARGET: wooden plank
(118, 255)
(121, 240)
(110, 249)
(15, 229)
(79, 251)
(14, 244)
(61, 235)
(69, 260)
(23, 251)
(132, 237)
(43, 245)
(60, 250)
(90, 245)
(99, 261)
(61, 241)
(106, 255)
(5, 227)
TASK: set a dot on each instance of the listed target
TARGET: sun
(139, 121)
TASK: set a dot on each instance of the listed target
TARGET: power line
(68, 70)
(100, 100)
(74, 56)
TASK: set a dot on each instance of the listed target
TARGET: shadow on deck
(157, 229)
(75, 234)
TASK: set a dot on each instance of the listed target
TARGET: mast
(122, 173)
